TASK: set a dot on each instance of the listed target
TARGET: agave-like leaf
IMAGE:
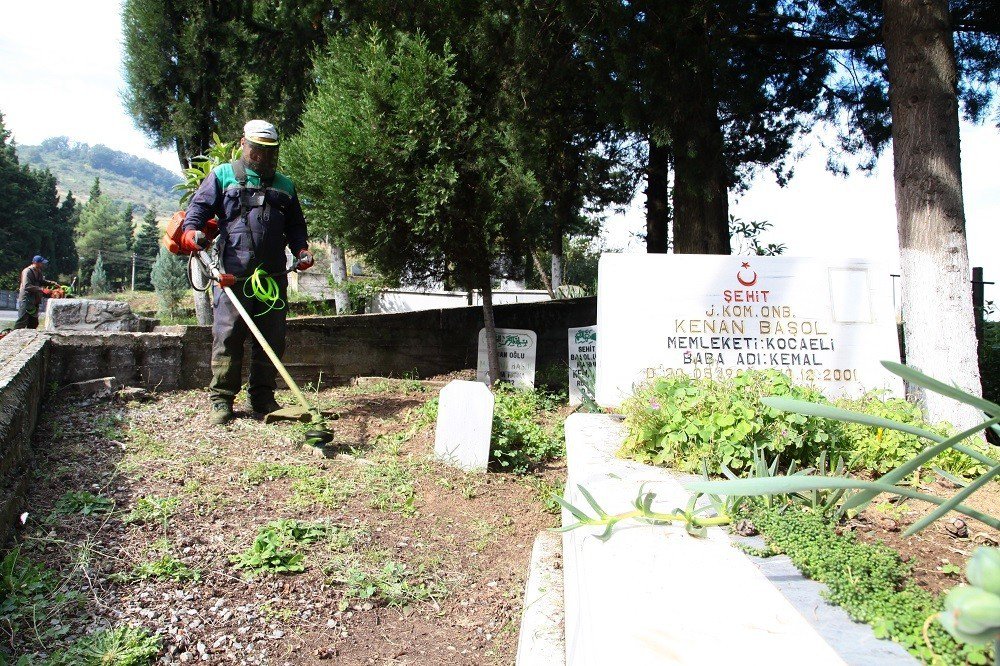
(694, 529)
(920, 379)
(572, 509)
(606, 534)
(951, 478)
(591, 501)
(838, 414)
(782, 485)
(949, 504)
(896, 475)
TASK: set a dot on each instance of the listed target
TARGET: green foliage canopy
(394, 158)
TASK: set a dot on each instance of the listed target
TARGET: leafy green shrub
(519, 441)
(870, 582)
(882, 449)
(122, 646)
(679, 422)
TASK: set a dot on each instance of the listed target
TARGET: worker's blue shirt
(277, 223)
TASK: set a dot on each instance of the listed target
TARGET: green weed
(519, 440)
(123, 646)
(30, 595)
(272, 549)
(391, 486)
(392, 584)
(83, 502)
(167, 567)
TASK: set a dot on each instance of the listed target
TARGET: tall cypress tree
(147, 247)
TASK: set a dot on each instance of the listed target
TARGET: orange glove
(193, 241)
(46, 292)
(305, 260)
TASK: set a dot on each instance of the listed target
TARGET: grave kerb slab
(655, 595)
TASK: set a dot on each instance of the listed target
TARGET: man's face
(262, 159)
(38, 265)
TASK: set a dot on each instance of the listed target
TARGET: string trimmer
(317, 435)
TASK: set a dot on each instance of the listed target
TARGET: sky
(60, 74)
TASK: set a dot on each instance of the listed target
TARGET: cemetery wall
(422, 343)
(23, 358)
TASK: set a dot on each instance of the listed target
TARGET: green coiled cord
(264, 288)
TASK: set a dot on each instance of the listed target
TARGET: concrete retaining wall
(424, 343)
(23, 358)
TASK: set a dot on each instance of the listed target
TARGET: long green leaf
(904, 470)
(952, 503)
(580, 515)
(831, 412)
(783, 485)
(920, 379)
(591, 501)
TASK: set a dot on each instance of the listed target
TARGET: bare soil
(937, 555)
(422, 564)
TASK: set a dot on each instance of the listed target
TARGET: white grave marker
(582, 358)
(464, 424)
(517, 349)
(825, 322)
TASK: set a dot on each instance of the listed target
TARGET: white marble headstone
(582, 358)
(464, 424)
(824, 322)
(517, 349)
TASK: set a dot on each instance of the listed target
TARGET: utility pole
(133, 271)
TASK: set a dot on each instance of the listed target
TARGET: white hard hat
(262, 132)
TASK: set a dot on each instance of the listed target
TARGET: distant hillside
(124, 177)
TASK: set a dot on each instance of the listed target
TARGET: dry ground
(419, 563)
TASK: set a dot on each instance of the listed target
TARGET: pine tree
(169, 278)
(98, 278)
(104, 231)
(147, 247)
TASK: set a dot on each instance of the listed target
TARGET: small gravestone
(464, 424)
(582, 361)
(517, 349)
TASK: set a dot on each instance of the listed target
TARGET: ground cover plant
(403, 560)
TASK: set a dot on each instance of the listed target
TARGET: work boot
(265, 405)
(222, 413)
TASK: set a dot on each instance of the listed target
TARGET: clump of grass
(152, 509)
(322, 491)
(260, 472)
(391, 484)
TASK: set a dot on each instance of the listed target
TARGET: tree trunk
(338, 269)
(557, 259)
(492, 353)
(701, 196)
(657, 199)
(542, 274)
(938, 320)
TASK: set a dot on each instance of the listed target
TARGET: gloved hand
(193, 241)
(46, 292)
(305, 260)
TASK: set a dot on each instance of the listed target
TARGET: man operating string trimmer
(258, 214)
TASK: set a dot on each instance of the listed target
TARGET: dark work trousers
(27, 315)
(229, 332)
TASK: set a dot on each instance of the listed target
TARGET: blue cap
(39, 259)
